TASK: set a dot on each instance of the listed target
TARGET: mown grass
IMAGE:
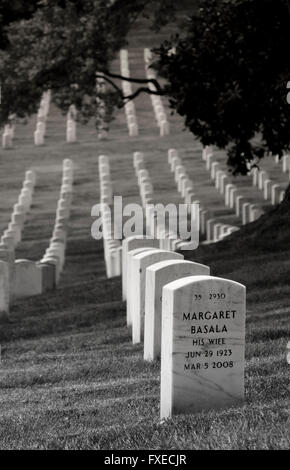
(71, 379)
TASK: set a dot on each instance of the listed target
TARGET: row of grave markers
(168, 238)
(159, 111)
(130, 110)
(208, 226)
(193, 321)
(101, 106)
(8, 133)
(22, 277)
(71, 125)
(247, 211)
(285, 161)
(40, 131)
(233, 199)
(54, 257)
(71, 137)
(9, 241)
(13, 234)
(112, 248)
(41, 120)
(271, 191)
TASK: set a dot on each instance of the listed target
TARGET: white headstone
(164, 128)
(28, 279)
(267, 189)
(138, 157)
(130, 255)
(246, 213)
(38, 138)
(276, 188)
(52, 259)
(47, 275)
(7, 140)
(203, 345)
(133, 130)
(132, 243)
(139, 263)
(171, 154)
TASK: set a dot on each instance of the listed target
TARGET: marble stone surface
(157, 276)
(132, 243)
(139, 264)
(129, 257)
(203, 345)
(48, 276)
(28, 279)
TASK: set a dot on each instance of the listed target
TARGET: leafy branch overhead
(61, 45)
(226, 73)
(228, 77)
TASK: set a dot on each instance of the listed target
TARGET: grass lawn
(71, 379)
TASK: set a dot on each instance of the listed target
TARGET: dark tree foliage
(228, 77)
(62, 45)
(11, 11)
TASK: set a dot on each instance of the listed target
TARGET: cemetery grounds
(70, 377)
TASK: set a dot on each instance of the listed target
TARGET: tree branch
(135, 80)
(113, 85)
(141, 90)
(136, 93)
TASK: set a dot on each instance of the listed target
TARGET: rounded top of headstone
(136, 251)
(162, 265)
(187, 281)
(67, 162)
(155, 251)
(24, 261)
(136, 237)
(138, 154)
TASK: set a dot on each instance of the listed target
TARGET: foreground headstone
(4, 289)
(139, 264)
(28, 279)
(129, 244)
(203, 345)
(157, 276)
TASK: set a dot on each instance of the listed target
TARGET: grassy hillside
(70, 377)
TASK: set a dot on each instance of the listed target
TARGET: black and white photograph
(145, 228)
